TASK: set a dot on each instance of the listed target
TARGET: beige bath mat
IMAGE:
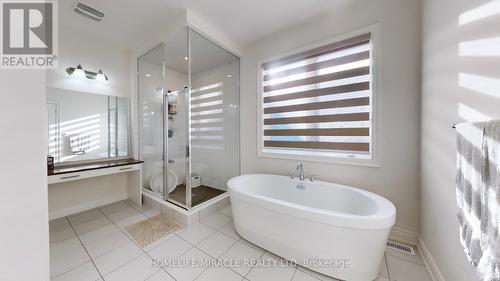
(148, 231)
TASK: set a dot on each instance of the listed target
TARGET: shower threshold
(212, 197)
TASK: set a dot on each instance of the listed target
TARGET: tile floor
(93, 245)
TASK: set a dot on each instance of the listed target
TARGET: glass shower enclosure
(188, 105)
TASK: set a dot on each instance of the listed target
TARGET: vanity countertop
(92, 166)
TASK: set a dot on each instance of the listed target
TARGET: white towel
(489, 264)
(478, 195)
(468, 188)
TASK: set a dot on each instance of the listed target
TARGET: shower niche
(188, 105)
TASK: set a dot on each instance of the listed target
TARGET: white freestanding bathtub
(333, 229)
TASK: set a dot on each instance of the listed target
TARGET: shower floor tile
(199, 194)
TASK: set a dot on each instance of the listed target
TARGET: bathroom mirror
(85, 126)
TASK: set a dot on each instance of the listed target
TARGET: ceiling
(244, 21)
(204, 54)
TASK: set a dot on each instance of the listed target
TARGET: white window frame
(374, 161)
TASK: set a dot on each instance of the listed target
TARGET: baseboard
(403, 236)
(431, 265)
(84, 207)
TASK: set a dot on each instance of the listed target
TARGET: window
(318, 104)
(207, 116)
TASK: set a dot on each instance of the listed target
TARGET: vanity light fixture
(80, 72)
(186, 58)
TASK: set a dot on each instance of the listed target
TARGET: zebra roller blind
(319, 101)
(207, 116)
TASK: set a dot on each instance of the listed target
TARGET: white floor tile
(114, 207)
(126, 217)
(60, 230)
(61, 235)
(208, 211)
(216, 244)
(98, 233)
(170, 249)
(241, 257)
(302, 276)
(66, 255)
(227, 211)
(413, 258)
(189, 272)
(402, 270)
(229, 230)
(158, 242)
(58, 224)
(273, 268)
(84, 272)
(84, 216)
(248, 243)
(136, 270)
(383, 268)
(315, 274)
(151, 212)
(131, 220)
(216, 220)
(196, 233)
(117, 257)
(147, 210)
(219, 273)
(91, 225)
(161, 276)
(123, 213)
(99, 247)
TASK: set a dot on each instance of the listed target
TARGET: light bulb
(100, 76)
(79, 72)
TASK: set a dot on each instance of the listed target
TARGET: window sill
(322, 159)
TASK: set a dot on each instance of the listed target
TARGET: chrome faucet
(300, 169)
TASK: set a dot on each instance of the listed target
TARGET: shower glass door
(188, 118)
(150, 77)
(176, 148)
(214, 121)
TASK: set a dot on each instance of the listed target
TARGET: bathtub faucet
(300, 169)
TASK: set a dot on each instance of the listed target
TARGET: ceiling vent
(88, 11)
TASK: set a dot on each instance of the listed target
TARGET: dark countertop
(92, 166)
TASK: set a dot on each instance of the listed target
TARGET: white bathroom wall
(211, 31)
(461, 82)
(75, 48)
(397, 178)
(24, 235)
(93, 54)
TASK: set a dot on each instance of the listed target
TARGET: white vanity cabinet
(73, 189)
